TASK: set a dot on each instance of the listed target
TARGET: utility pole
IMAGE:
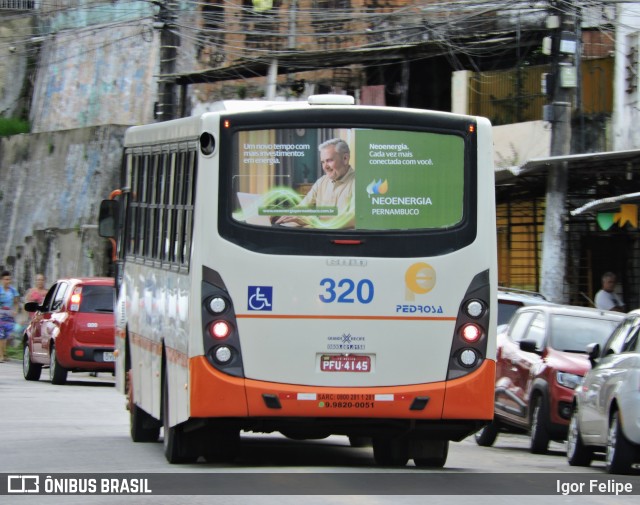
(554, 242)
(165, 107)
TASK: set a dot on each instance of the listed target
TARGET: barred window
(160, 204)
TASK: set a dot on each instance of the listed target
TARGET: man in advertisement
(334, 189)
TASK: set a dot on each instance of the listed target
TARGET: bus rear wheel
(433, 453)
(143, 426)
(178, 446)
(222, 443)
(390, 451)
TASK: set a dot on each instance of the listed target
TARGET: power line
(442, 22)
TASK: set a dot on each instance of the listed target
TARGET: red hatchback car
(72, 331)
(541, 358)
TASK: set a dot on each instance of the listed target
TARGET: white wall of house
(626, 102)
(515, 144)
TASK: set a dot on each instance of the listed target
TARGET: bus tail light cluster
(220, 330)
(470, 333)
(469, 346)
(220, 335)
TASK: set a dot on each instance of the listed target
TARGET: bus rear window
(348, 178)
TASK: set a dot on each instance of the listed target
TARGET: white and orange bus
(310, 268)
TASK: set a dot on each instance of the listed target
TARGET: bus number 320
(346, 291)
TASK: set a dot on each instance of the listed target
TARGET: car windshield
(97, 299)
(575, 333)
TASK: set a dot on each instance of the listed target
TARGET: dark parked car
(73, 330)
(541, 358)
(606, 412)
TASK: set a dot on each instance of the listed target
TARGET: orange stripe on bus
(146, 343)
(370, 318)
(173, 355)
(177, 357)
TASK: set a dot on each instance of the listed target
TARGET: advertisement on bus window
(348, 178)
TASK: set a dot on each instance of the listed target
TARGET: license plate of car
(343, 363)
(108, 357)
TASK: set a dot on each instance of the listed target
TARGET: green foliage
(13, 126)
(14, 351)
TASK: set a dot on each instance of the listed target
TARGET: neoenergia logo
(378, 187)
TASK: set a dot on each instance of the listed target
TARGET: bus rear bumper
(213, 394)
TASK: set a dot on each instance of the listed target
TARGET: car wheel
(438, 458)
(578, 454)
(57, 373)
(390, 451)
(178, 446)
(487, 435)
(620, 452)
(30, 370)
(539, 432)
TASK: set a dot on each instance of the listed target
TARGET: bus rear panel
(315, 270)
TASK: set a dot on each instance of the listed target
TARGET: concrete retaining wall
(51, 185)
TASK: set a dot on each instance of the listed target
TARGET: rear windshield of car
(506, 310)
(97, 299)
(575, 333)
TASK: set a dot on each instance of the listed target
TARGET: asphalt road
(81, 430)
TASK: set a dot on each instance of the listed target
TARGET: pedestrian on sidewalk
(9, 298)
(36, 293)
(607, 298)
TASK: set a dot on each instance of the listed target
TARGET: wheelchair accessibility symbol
(260, 297)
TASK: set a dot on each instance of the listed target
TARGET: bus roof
(190, 128)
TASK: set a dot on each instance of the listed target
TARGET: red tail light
(471, 332)
(76, 298)
(220, 329)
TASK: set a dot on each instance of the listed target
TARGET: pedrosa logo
(419, 279)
